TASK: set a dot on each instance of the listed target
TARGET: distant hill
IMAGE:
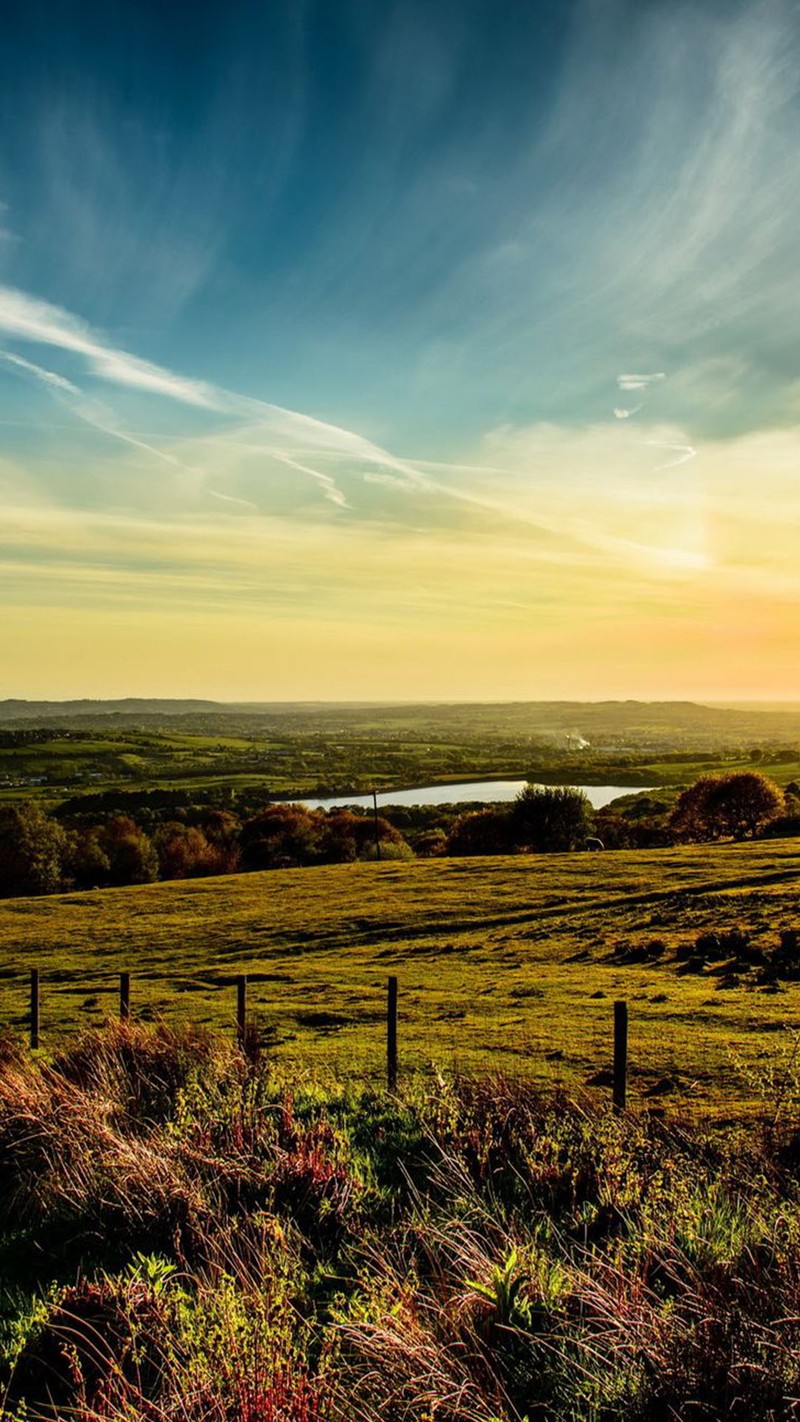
(779, 706)
(600, 723)
(17, 710)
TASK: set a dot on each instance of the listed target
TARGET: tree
(131, 855)
(86, 862)
(31, 851)
(396, 847)
(481, 832)
(735, 806)
(551, 818)
(741, 804)
(222, 830)
(185, 853)
(393, 843)
(690, 820)
(280, 837)
(339, 842)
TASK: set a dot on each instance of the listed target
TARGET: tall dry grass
(183, 1235)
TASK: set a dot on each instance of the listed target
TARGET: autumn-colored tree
(339, 837)
(285, 835)
(689, 820)
(280, 837)
(222, 829)
(185, 853)
(741, 804)
(735, 806)
(131, 855)
(481, 832)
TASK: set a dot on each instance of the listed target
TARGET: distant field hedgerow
(185, 1235)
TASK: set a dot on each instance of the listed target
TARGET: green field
(54, 753)
(510, 963)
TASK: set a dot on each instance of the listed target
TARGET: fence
(620, 1028)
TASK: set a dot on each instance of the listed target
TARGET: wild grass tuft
(186, 1236)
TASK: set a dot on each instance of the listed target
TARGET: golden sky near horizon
(579, 571)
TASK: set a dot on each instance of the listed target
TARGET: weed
(235, 1246)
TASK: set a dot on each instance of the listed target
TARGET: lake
(470, 791)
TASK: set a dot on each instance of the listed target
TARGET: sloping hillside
(511, 962)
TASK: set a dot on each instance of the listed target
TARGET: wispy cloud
(684, 453)
(40, 373)
(331, 490)
(232, 499)
(91, 411)
(639, 382)
(29, 319)
(335, 458)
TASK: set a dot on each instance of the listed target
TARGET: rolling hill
(508, 962)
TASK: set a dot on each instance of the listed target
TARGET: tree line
(45, 853)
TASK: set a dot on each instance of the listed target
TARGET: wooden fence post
(241, 1008)
(620, 1055)
(124, 996)
(377, 827)
(391, 1035)
(34, 1007)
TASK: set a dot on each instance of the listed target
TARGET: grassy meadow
(504, 964)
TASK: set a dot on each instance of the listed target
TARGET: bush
(545, 819)
(237, 1248)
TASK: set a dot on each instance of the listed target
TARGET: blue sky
(338, 295)
(306, 202)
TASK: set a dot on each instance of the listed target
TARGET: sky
(400, 349)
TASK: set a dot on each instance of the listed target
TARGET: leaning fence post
(241, 1007)
(124, 996)
(620, 1055)
(391, 1035)
(34, 1007)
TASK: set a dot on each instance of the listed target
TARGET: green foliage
(499, 1252)
(152, 1270)
(551, 819)
(31, 850)
(541, 820)
(506, 1293)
